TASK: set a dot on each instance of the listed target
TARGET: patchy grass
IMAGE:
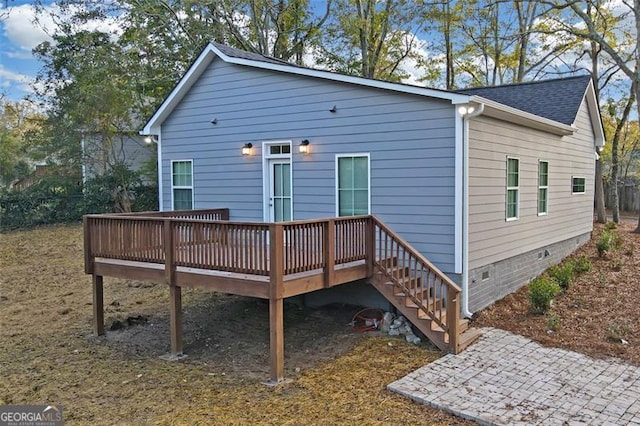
(49, 355)
(598, 310)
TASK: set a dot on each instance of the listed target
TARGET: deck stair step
(402, 290)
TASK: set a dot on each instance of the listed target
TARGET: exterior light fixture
(464, 110)
(304, 146)
(246, 149)
(214, 121)
(149, 139)
(334, 109)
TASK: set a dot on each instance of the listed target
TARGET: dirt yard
(49, 355)
(599, 315)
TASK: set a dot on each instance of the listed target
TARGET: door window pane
(286, 180)
(277, 180)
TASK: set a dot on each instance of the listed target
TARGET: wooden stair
(419, 306)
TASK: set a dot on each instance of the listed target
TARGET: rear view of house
(451, 199)
(481, 182)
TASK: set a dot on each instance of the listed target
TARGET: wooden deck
(271, 261)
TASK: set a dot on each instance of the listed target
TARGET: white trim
(477, 110)
(511, 188)
(546, 204)
(266, 174)
(460, 141)
(354, 155)
(594, 115)
(160, 183)
(193, 204)
(585, 185)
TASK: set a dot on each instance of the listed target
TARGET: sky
(18, 36)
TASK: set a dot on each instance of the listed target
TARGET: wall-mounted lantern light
(246, 149)
(466, 109)
(304, 146)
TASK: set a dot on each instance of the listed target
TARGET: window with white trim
(578, 185)
(182, 184)
(513, 188)
(352, 184)
(543, 187)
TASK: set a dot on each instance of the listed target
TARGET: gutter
(467, 112)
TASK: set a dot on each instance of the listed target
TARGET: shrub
(610, 225)
(603, 245)
(618, 332)
(542, 290)
(581, 265)
(562, 274)
(62, 199)
(616, 265)
(553, 322)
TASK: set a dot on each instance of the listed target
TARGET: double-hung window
(352, 184)
(543, 188)
(513, 188)
(182, 184)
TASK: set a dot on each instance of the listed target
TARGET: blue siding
(410, 140)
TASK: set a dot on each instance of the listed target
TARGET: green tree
(371, 38)
(20, 125)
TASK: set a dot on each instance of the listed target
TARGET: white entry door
(280, 198)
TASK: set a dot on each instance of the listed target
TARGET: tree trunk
(615, 208)
(601, 216)
(637, 230)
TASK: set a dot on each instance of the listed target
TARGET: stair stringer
(438, 337)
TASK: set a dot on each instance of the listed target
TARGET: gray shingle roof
(557, 99)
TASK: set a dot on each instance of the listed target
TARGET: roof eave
(152, 127)
(594, 114)
(503, 112)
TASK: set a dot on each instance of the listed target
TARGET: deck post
(175, 292)
(175, 313)
(98, 305)
(453, 319)
(370, 245)
(276, 305)
(329, 252)
(88, 255)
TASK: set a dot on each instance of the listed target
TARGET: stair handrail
(453, 290)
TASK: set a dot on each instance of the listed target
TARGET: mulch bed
(600, 313)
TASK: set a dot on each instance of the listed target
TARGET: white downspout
(467, 112)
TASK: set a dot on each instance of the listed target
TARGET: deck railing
(435, 295)
(242, 247)
(208, 240)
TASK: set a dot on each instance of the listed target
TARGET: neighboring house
(100, 153)
(32, 178)
(492, 185)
